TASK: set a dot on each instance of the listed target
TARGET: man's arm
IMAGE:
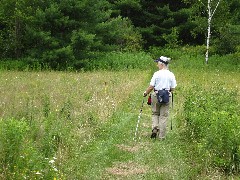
(148, 90)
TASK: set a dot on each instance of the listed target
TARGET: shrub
(20, 156)
(120, 33)
(228, 41)
(212, 122)
(116, 61)
(229, 62)
(12, 136)
(58, 59)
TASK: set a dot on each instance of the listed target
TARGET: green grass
(61, 112)
(81, 125)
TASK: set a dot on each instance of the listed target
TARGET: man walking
(163, 79)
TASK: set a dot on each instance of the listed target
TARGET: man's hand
(148, 90)
(145, 94)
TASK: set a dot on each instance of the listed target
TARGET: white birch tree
(210, 16)
(199, 7)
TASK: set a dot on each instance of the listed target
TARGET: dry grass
(86, 99)
(97, 93)
(126, 169)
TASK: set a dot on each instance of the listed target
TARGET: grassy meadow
(81, 125)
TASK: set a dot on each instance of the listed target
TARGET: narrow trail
(149, 159)
(115, 155)
(154, 159)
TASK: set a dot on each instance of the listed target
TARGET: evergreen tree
(157, 20)
(60, 32)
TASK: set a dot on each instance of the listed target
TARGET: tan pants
(160, 113)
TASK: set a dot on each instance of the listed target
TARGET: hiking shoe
(154, 133)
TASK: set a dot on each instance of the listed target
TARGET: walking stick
(139, 116)
(172, 109)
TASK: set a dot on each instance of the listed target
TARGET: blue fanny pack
(163, 96)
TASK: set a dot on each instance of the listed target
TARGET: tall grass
(48, 117)
(208, 108)
(212, 122)
(116, 61)
(100, 61)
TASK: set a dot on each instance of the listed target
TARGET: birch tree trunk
(210, 15)
(209, 30)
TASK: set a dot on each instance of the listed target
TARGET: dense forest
(65, 32)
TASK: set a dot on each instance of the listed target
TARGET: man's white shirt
(163, 79)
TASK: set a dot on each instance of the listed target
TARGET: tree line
(64, 32)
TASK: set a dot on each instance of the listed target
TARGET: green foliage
(20, 158)
(99, 61)
(234, 9)
(49, 118)
(229, 62)
(27, 64)
(212, 122)
(7, 64)
(185, 54)
(12, 139)
(157, 19)
(81, 43)
(172, 39)
(28, 149)
(119, 31)
(59, 34)
(58, 59)
(228, 41)
(193, 57)
(117, 61)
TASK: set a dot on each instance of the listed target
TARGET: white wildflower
(55, 169)
(51, 161)
(38, 173)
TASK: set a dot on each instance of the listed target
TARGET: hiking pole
(139, 116)
(172, 109)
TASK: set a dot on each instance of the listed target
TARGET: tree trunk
(209, 30)
(210, 15)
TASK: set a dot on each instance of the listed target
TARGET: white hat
(163, 59)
